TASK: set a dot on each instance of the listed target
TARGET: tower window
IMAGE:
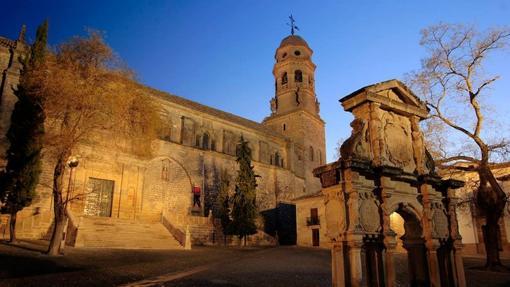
(298, 76)
(284, 55)
(311, 153)
(284, 126)
(297, 53)
(284, 78)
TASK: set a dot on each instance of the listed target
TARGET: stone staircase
(106, 232)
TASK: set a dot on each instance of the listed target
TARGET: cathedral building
(125, 201)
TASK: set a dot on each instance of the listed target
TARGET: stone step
(104, 232)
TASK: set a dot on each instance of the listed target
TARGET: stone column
(456, 253)
(337, 264)
(430, 243)
(390, 244)
(458, 264)
(434, 274)
(355, 244)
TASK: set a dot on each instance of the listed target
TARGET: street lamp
(72, 163)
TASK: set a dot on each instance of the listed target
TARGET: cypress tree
(244, 211)
(19, 180)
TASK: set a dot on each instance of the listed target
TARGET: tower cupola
(294, 77)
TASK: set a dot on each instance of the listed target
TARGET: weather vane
(292, 24)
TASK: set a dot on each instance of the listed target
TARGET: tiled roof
(214, 112)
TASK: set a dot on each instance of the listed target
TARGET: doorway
(315, 237)
(415, 252)
(99, 197)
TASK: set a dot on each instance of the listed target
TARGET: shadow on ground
(26, 265)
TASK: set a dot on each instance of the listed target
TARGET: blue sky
(221, 53)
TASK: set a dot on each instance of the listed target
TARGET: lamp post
(72, 163)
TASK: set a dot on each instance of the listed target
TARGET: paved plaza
(24, 265)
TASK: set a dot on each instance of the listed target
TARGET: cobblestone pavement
(203, 266)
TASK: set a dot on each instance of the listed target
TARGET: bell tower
(295, 109)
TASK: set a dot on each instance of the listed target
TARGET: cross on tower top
(292, 25)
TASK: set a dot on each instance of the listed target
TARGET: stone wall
(10, 67)
(144, 188)
(304, 226)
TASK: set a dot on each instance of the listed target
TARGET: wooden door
(315, 237)
(99, 197)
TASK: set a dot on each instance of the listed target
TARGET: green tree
(223, 203)
(25, 135)
(244, 211)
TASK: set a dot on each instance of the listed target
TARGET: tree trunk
(12, 228)
(491, 200)
(491, 240)
(57, 235)
(58, 207)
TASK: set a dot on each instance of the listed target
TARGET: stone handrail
(183, 237)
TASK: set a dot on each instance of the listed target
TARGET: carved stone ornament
(439, 223)
(398, 140)
(274, 105)
(369, 214)
(356, 146)
(335, 217)
(329, 178)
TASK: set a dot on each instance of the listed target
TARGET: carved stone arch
(413, 208)
(171, 193)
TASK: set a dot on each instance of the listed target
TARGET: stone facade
(295, 109)
(11, 53)
(310, 221)
(195, 144)
(470, 224)
(385, 169)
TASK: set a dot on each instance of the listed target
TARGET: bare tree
(86, 93)
(453, 82)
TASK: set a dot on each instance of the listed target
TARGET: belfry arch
(384, 169)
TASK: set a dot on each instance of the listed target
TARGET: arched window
(213, 145)
(276, 159)
(205, 141)
(197, 141)
(284, 126)
(298, 76)
(311, 153)
(284, 78)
